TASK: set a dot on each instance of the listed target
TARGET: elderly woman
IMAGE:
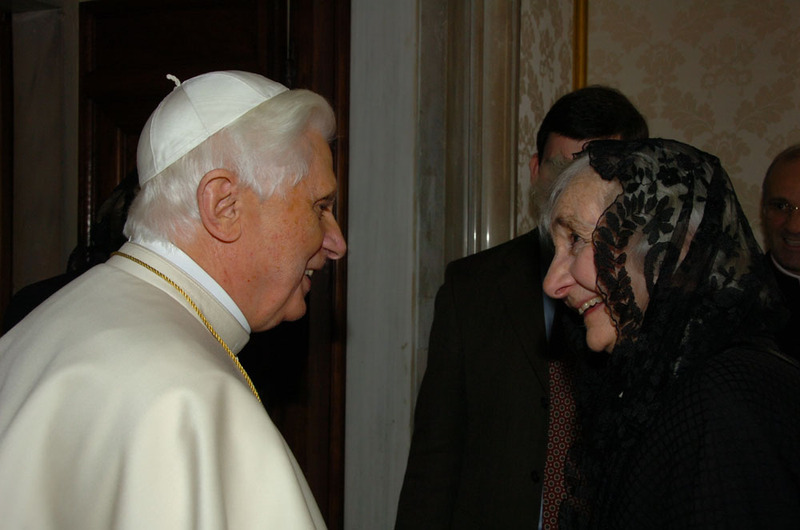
(688, 415)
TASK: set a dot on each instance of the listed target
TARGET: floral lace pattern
(678, 223)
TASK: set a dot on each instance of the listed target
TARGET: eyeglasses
(781, 207)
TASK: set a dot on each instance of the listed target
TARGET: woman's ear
(219, 202)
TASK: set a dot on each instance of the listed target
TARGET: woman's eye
(576, 242)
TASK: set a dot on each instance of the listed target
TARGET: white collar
(180, 259)
(784, 271)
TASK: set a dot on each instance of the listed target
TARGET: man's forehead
(559, 146)
(556, 164)
(785, 178)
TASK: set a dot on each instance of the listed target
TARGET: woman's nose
(557, 280)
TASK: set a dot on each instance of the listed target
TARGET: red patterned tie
(559, 436)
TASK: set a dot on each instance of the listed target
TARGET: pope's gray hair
(268, 149)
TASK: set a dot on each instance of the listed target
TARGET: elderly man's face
(291, 235)
(780, 218)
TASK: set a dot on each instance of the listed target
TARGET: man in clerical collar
(780, 219)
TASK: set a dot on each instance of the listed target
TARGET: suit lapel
(521, 293)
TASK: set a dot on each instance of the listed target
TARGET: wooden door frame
(6, 160)
(331, 22)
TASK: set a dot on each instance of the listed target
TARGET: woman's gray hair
(576, 167)
(267, 148)
(581, 166)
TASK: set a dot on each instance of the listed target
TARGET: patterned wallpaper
(722, 75)
(545, 73)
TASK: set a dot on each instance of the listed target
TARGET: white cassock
(119, 409)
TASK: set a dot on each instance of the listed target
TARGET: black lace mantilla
(677, 222)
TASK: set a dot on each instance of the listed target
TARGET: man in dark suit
(780, 219)
(480, 432)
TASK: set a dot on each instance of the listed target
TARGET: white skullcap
(195, 110)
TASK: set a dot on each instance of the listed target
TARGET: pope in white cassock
(122, 402)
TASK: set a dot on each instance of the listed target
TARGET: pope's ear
(219, 202)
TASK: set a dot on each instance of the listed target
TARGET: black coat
(723, 451)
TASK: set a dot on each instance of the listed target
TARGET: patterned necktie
(559, 436)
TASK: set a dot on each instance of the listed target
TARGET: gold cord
(200, 314)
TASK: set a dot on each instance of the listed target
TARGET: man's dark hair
(592, 112)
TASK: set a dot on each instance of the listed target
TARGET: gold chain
(200, 314)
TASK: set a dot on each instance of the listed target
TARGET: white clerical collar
(784, 271)
(180, 259)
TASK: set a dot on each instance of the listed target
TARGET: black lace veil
(677, 222)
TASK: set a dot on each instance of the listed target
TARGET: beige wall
(720, 74)
(545, 73)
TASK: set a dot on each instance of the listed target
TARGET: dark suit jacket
(789, 337)
(477, 452)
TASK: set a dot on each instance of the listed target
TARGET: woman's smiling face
(572, 276)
